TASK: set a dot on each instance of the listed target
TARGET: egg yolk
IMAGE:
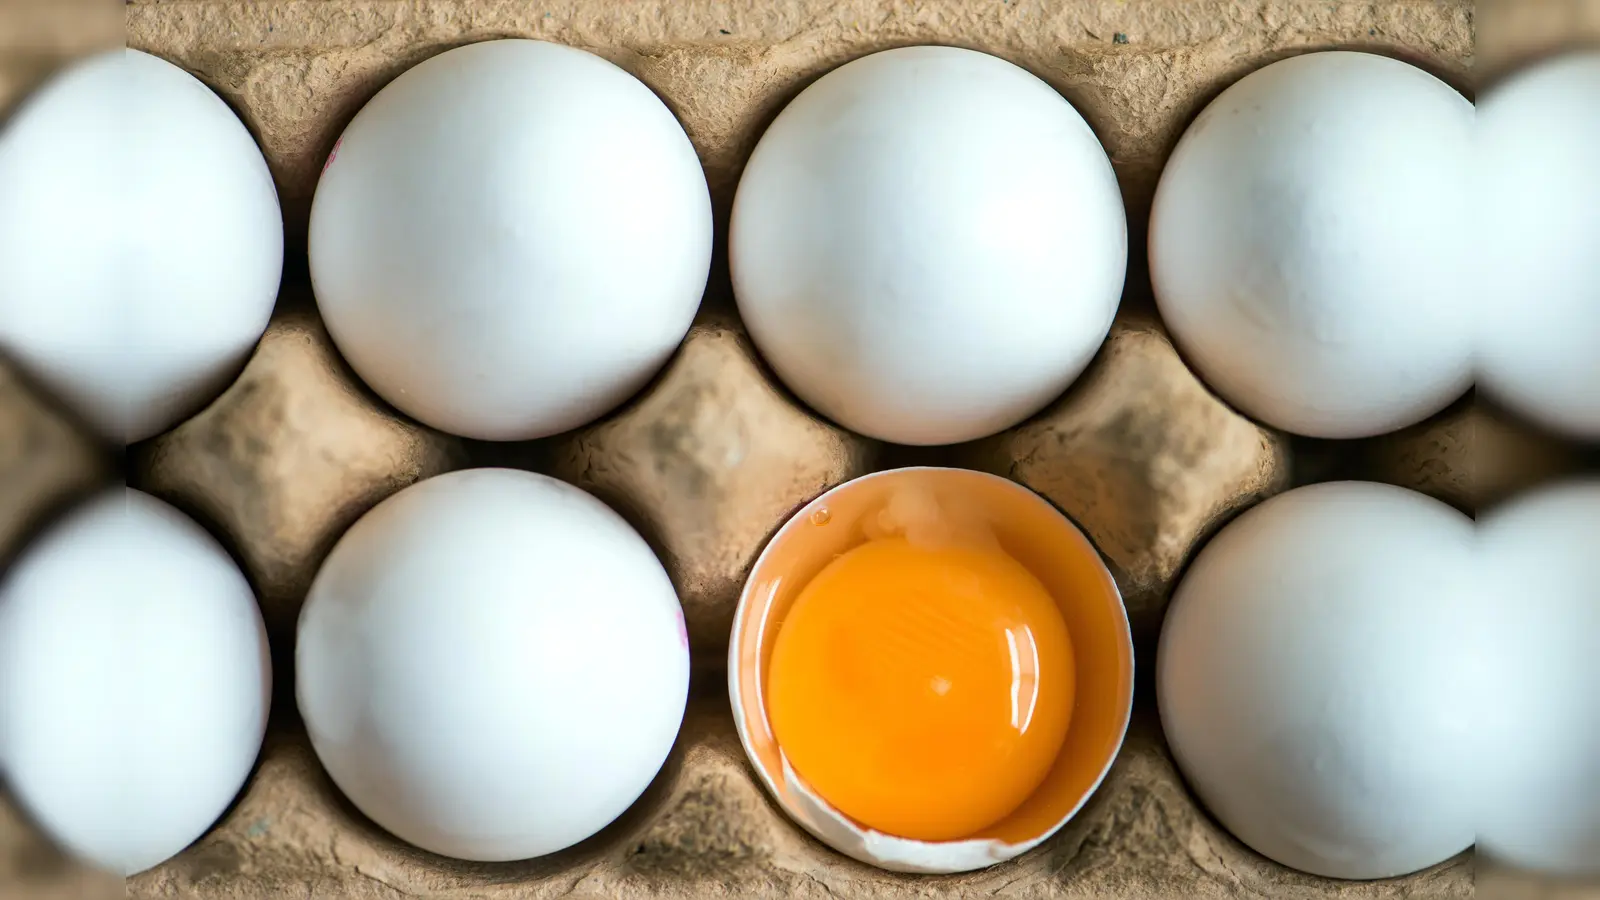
(923, 692)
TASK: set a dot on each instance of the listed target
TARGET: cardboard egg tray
(714, 455)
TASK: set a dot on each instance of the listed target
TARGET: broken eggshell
(1033, 532)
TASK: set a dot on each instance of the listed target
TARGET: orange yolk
(924, 692)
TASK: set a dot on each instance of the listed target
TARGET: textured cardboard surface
(1138, 70)
(290, 455)
(705, 828)
(707, 464)
(1143, 457)
(709, 460)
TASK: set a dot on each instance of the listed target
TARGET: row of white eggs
(1359, 683)
(928, 245)
(492, 665)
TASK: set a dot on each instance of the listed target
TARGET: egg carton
(715, 454)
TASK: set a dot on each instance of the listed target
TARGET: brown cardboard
(289, 457)
(1514, 33)
(1145, 459)
(45, 459)
(1138, 70)
(708, 463)
(37, 36)
(1437, 457)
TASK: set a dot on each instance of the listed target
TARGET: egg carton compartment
(714, 455)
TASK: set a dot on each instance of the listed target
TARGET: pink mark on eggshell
(334, 154)
(683, 631)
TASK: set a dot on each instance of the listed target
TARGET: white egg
(1309, 241)
(492, 665)
(928, 245)
(1539, 343)
(510, 239)
(141, 242)
(1542, 752)
(134, 681)
(1314, 679)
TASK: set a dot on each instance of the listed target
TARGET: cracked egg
(931, 669)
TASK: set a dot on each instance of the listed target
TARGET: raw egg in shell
(931, 669)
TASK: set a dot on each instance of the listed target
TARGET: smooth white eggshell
(1541, 588)
(1316, 678)
(141, 242)
(510, 239)
(1539, 340)
(492, 665)
(1309, 244)
(928, 245)
(134, 681)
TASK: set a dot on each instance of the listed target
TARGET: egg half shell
(1039, 537)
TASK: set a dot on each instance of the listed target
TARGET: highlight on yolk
(922, 690)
